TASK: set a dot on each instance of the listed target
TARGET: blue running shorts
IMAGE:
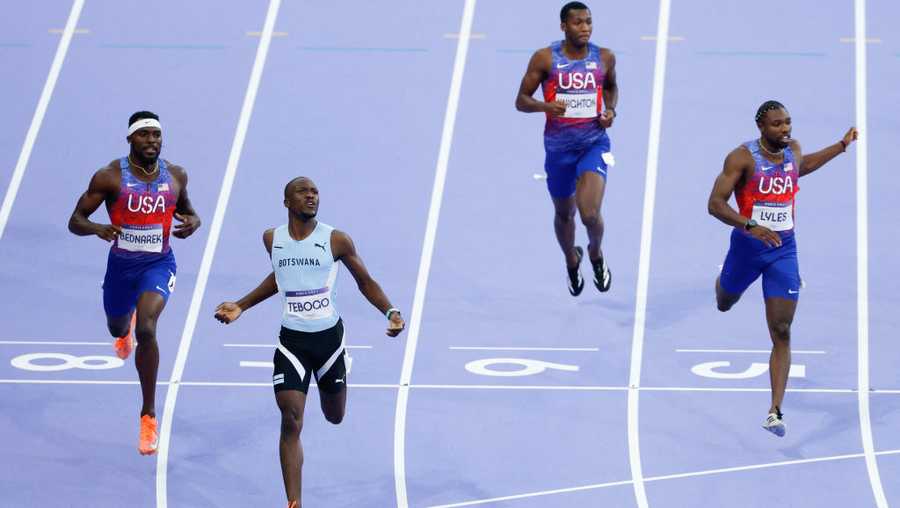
(564, 168)
(748, 258)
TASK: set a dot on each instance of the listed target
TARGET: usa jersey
(768, 197)
(580, 84)
(144, 213)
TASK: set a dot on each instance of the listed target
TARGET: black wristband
(843, 145)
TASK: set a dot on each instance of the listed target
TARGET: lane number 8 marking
(66, 362)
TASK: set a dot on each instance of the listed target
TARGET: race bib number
(777, 217)
(309, 304)
(141, 238)
(579, 105)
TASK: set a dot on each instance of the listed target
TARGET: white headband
(143, 123)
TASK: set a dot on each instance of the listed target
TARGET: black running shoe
(575, 281)
(602, 275)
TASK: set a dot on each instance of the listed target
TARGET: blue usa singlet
(579, 83)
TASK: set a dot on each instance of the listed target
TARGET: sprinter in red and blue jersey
(578, 80)
(142, 193)
(763, 175)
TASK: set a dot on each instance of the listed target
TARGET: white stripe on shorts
(334, 356)
(293, 359)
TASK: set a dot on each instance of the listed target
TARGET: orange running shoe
(149, 437)
(293, 504)
(125, 345)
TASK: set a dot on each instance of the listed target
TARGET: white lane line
(533, 494)
(52, 343)
(576, 388)
(513, 348)
(268, 384)
(708, 472)
(434, 210)
(737, 390)
(209, 252)
(39, 112)
(862, 256)
(70, 382)
(270, 346)
(761, 351)
(640, 306)
(249, 363)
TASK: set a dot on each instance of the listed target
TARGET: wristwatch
(750, 224)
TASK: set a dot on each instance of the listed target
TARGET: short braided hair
(766, 107)
(571, 6)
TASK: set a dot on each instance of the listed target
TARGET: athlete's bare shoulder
(341, 244)
(609, 60)
(268, 237)
(175, 169)
(542, 59)
(739, 159)
(107, 179)
(178, 172)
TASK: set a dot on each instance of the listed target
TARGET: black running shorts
(301, 355)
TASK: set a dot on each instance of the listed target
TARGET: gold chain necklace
(779, 152)
(146, 172)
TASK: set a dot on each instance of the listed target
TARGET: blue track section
(519, 393)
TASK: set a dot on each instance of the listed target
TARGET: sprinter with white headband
(142, 194)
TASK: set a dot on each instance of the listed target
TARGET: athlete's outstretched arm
(184, 210)
(227, 312)
(735, 166)
(103, 184)
(538, 69)
(815, 160)
(343, 249)
(610, 89)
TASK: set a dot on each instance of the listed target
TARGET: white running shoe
(775, 424)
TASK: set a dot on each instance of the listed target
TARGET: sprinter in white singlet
(304, 254)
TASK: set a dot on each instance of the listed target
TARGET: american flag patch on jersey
(789, 166)
(163, 187)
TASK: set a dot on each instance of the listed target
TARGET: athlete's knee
(724, 303)
(145, 330)
(591, 217)
(564, 216)
(781, 332)
(724, 300)
(291, 421)
(118, 329)
(335, 416)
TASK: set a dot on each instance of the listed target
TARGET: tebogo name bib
(308, 304)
